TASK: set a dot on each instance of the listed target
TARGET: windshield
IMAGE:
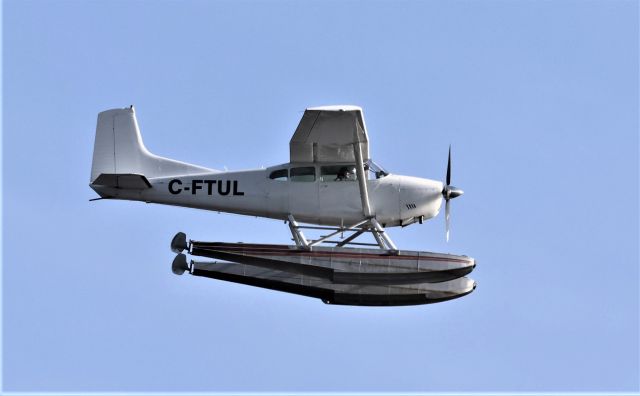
(375, 169)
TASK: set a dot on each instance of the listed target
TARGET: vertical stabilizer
(118, 149)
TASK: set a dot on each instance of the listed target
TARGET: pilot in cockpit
(346, 173)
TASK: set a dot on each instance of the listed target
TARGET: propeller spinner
(449, 192)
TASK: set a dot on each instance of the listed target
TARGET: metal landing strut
(370, 225)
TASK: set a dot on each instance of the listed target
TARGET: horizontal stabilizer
(127, 181)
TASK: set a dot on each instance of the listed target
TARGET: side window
(279, 175)
(303, 174)
(338, 173)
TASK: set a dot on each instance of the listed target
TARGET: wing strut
(362, 181)
(376, 228)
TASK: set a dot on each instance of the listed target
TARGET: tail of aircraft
(120, 158)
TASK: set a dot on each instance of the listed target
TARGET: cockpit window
(279, 175)
(338, 173)
(375, 170)
(303, 174)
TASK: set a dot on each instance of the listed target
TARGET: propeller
(449, 192)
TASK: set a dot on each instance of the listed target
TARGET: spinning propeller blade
(449, 192)
(449, 167)
(447, 217)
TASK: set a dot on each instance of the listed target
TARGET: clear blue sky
(539, 100)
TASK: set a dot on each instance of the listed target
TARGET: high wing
(338, 134)
(328, 134)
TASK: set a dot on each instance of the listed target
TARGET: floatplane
(330, 184)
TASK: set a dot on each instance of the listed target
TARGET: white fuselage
(395, 200)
